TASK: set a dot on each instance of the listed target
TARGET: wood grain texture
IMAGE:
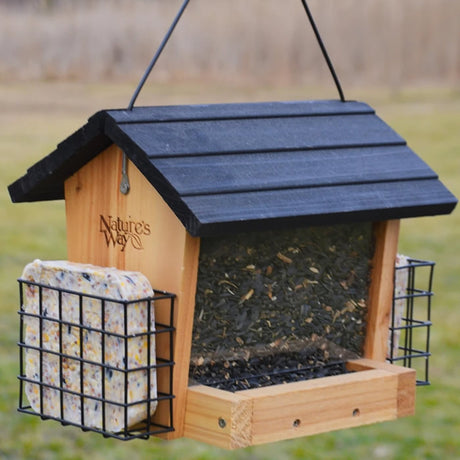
(371, 394)
(381, 289)
(406, 382)
(218, 417)
(163, 251)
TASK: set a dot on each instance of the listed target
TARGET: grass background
(36, 116)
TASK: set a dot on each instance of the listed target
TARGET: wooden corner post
(381, 290)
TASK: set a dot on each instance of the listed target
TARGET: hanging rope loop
(157, 54)
(323, 50)
(177, 19)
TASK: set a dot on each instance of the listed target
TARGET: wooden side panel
(381, 289)
(373, 393)
(139, 232)
(302, 409)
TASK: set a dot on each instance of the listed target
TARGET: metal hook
(124, 184)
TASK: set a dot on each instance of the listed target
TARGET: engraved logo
(119, 232)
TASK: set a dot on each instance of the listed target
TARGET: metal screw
(356, 413)
(222, 423)
(296, 423)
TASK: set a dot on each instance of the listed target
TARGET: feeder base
(375, 392)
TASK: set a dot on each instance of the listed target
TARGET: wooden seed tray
(375, 392)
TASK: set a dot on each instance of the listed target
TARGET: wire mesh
(409, 343)
(75, 368)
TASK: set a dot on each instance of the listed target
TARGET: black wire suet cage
(409, 343)
(107, 391)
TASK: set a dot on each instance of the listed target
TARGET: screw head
(222, 422)
(124, 187)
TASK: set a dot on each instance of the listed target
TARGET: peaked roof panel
(239, 167)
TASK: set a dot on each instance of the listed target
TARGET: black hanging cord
(157, 54)
(174, 24)
(323, 49)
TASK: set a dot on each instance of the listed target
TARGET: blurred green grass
(37, 117)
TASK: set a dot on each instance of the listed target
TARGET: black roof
(238, 167)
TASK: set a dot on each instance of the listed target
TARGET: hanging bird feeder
(275, 227)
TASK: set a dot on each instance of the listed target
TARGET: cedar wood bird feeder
(274, 226)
